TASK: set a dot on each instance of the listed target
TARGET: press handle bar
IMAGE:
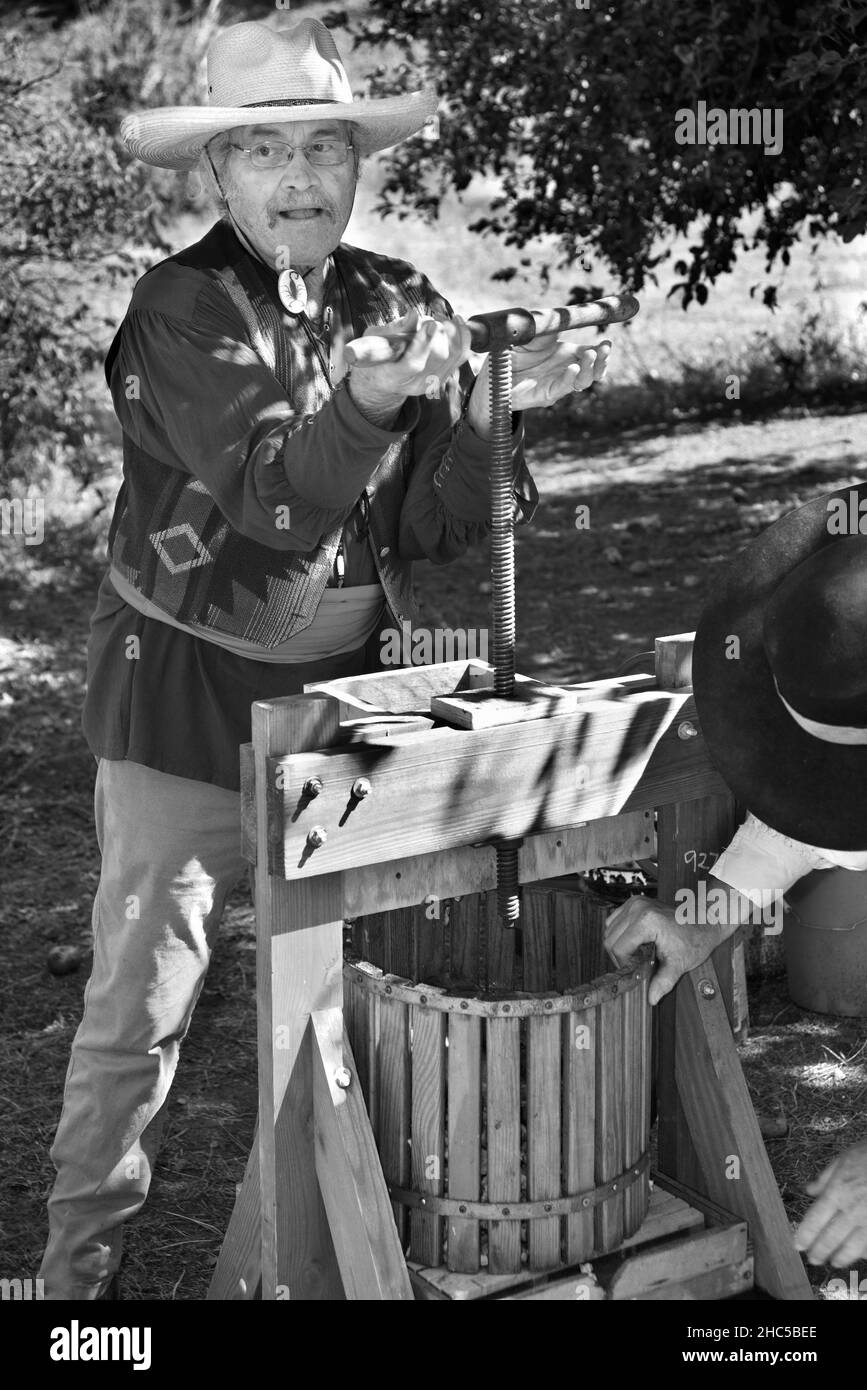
(504, 328)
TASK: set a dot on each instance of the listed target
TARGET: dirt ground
(666, 511)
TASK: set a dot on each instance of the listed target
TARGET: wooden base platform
(687, 1248)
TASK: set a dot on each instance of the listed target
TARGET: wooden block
(461, 872)
(677, 1261)
(393, 1100)
(350, 1178)
(723, 1127)
(544, 1139)
(666, 1216)
(503, 1047)
(405, 689)
(574, 849)
(531, 699)
(674, 661)
(714, 1285)
(464, 1130)
(575, 1287)
(579, 1126)
(445, 789)
(428, 1127)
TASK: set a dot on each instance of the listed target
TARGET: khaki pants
(170, 855)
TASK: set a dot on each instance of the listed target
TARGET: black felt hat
(780, 673)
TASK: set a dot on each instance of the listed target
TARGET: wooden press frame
(313, 1219)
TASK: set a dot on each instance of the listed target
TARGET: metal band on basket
(522, 1211)
(516, 1006)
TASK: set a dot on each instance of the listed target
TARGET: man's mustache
(274, 210)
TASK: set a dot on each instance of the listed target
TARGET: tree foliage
(574, 110)
(76, 213)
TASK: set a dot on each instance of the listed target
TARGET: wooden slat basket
(509, 1099)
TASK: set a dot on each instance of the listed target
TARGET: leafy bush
(76, 213)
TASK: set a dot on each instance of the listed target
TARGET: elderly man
(270, 512)
(781, 690)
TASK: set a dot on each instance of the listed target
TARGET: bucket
(512, 1123)
(825, 937)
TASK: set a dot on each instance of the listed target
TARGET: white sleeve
(760, 860)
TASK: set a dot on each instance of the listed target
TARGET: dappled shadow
(666, 510)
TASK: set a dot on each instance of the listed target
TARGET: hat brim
(173, 137)
(812, 791)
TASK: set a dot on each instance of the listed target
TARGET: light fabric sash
(344, 620)
(828, 733)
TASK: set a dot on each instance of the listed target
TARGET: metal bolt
(343, 1078)
(313, 786)
(505, 1211)
(585, 1201)
(706, 989)
(687, 729)
(361, 788)
(461, 1209)
(423, 1202)
(549, 1004)
(547, 1206)
(614, 1187)
(422, 998)
(464, 1004)
(588, 998)
(317, 836)
(506, 1008)
(388, 989)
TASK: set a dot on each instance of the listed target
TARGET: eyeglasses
(274, 154)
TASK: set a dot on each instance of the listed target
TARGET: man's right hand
(430, 351)
(678, 948)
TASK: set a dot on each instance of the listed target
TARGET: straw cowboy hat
(784, 708)
(257, 74)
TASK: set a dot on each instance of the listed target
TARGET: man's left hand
(834, 1231)
(542, 372)
(551, 367)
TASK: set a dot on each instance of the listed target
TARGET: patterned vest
(169, 538)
